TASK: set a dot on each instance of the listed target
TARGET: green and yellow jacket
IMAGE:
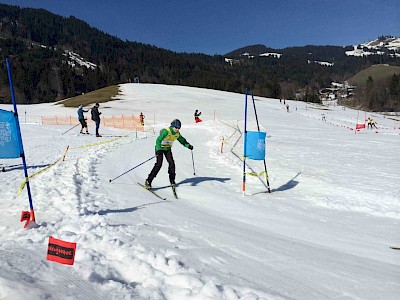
(167, 137)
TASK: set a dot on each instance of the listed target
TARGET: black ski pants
(157, 166)
(83, 123)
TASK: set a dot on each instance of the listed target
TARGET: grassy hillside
(97, 96)
(377, 72)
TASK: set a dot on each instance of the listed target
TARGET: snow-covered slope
(324, 232)
(388, 45)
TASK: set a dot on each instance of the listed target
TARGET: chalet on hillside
(337, 91)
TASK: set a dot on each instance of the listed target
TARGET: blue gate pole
(20, 141)
(258, 127)
(244, 148)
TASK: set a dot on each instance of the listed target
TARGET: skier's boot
(147, 184)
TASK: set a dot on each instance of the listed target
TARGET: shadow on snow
(288, 185)
(194, 181)
(125, 210)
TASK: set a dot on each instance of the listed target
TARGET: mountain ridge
(54, 58)
(383, 45)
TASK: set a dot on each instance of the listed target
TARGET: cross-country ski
(151, 191)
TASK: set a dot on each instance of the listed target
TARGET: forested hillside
(53, 58)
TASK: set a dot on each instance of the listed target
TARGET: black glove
(190, 147)
(159, 152)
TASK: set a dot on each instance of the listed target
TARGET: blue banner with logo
(10, 146)
(255, 145)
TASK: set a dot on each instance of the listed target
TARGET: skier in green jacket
(163, 148)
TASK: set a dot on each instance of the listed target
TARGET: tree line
(35, 40)
(379, 95)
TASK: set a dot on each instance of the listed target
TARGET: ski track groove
(84, 223)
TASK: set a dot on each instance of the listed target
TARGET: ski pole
(194, 171)
(258, 127)
(133, 168)
(71, 128)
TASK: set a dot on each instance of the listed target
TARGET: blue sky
(218, 27)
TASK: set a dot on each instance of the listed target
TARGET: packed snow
(271, 54)
(324, 232)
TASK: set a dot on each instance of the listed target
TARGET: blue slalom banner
(10, 146)
(255, 145)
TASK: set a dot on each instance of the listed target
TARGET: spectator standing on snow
(82, 119)
(323, 118)
(141, 118)
(96, 117)
(197, 116)
(287, 107)
(163, 148)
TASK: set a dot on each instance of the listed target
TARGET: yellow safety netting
(23, 183)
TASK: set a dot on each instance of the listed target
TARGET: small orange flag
(26, 216)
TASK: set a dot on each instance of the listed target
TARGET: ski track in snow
(80, 208)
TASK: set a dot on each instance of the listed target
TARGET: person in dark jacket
(82, 119)
(141, 119)
(163, 148)
(96, 117)
(197, 115)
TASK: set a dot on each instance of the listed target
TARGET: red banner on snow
(360, 126)
(61, 251)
